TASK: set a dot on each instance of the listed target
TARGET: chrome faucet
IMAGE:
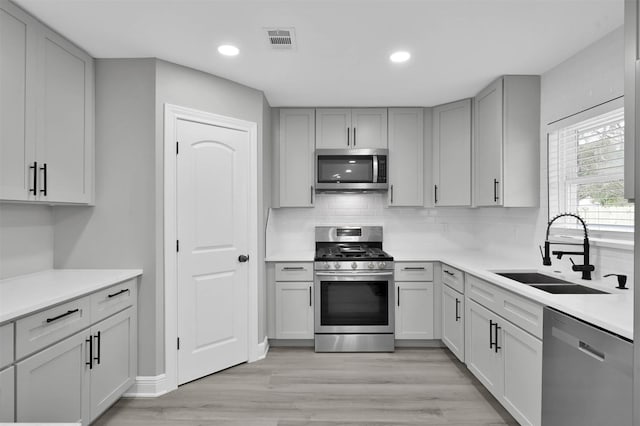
(585, 268)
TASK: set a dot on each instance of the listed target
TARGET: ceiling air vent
(281, 38)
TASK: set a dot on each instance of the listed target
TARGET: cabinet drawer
(6, 345)
(44, 328)
(453, 277)
(300, 271)
(413, 271)
(113, 299)
(522, 312)
(482, 292)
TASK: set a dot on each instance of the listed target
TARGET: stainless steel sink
(567, 289)
(532, 278)
(549, 284)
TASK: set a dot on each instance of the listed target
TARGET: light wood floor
(295, 386)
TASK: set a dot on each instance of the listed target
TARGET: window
(586, 170)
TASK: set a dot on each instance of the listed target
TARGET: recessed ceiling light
(400, 56)
(228, 50)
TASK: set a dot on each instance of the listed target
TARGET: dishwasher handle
(591, 351)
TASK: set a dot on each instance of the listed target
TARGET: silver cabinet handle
(413, 268)
(448, 273)
(294, 268)
(311, 195)
(309, 295)
(391, 194)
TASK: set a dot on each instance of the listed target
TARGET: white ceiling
(457, 46)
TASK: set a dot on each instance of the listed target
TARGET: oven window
(354, 303)
(348, 168)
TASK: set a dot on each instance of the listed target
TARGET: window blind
(586, 172)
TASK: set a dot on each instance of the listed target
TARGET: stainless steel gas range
(354, 310)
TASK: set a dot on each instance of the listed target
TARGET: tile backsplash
(513, 232)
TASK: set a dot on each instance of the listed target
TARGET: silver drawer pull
(294, 268)
(449, 273)
(413, 268)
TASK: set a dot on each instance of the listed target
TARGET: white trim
(148, 387)
(172, 113)
(262, 349)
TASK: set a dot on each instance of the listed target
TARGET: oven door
(354, 302)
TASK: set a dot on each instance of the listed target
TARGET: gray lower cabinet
(78, 378)
(53, 384)
(115, 359)
(453, 321)
(7, 396)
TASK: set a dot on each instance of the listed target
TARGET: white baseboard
(262, 349)
(148, 387)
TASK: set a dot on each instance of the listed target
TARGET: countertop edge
(103, 278)
(486, 274)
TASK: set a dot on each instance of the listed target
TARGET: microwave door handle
(375, 169)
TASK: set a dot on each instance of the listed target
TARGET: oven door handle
(353, 274)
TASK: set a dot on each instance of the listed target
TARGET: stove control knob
(354, 265)
(326, 265)
(371, 265)
(381, 265)
(337, 265)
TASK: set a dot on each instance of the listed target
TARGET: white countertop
(25, 294)
(299, 256)
(613, 312)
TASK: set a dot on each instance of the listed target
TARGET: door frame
(173, 113)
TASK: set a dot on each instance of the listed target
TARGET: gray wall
(590, 77)
(125, 228)
(26, 239)
(189, 88)
(119, 232)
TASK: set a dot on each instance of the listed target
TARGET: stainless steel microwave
(351, 170)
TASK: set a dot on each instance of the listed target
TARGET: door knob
(243, 258)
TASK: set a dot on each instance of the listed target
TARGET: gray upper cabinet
(295, 153)
(343, 128)
(406, 144)
(631, 76)
(47, 98)
(507, 143)
(452, 154)
(65, 126)
(17, 144)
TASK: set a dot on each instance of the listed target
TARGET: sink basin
(567, 289)
(532, 278)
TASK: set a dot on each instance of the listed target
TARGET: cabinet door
(294, 310)
(453, 321)
(17, 148)
(115, 359)
(406, 147)
(65, 122)
(481, 358)
(414, 310)
(296, 158)
(53, 385)
(369, 128)
(452, 154)
(7, 395)
(333, 128)
(488, 145)
(522, 388)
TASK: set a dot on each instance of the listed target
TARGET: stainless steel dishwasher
(586, 374)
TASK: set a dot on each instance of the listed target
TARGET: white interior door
(212, 221)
